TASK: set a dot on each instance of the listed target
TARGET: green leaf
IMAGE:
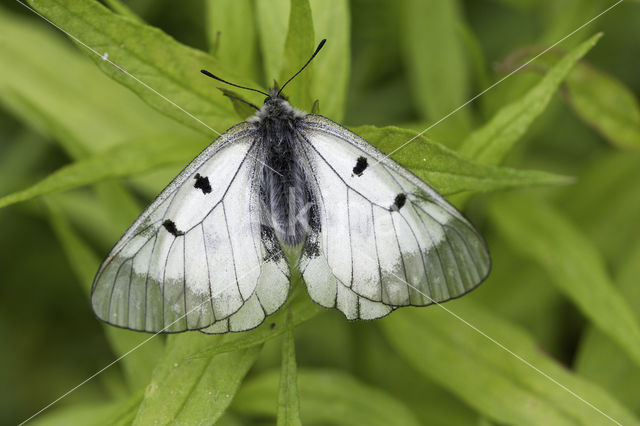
(240, 105)
(231, 28)
(332, 66)
(599, 99)
(187, 391)
(330, 69)
(597, 349)
(272, 20)
(446, 170)
(466, 354)
(122, 9)
(603, 102)
(326, 397)
(435, 58)
(298, 47)
(288, 404)
(606, 200)
(119, 161)
(573, 263)
(46, 88)
(171, 69)
(92, 414)
(490, 143)
(138, 364)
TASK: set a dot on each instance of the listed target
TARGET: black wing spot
(271, 244)
(361, 165)
(171, 227)
(398, 202)
(272, 326)
(202, 182)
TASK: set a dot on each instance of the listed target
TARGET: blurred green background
(564, 293)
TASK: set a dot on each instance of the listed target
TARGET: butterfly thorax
(285, 194)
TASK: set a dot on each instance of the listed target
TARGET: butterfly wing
(196, 258)
(386, 238)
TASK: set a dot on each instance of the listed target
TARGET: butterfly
(208, 254)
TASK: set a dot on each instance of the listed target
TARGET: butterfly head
(276, 107)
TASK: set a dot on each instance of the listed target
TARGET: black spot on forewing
(202, 182)
(398, 202)
(361, 165)
(171, 227)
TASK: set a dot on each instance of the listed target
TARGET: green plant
(562, 296)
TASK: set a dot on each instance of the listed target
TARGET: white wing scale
(372, 256)
(209, 268)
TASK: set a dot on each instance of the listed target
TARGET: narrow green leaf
(122, 9)
(331, 68)
(490, 143)
(598, 98)
(118, 203)
(446, 170)
(189, 391)
(168, 67)
(46, 87)
(596, 350)
(573, 263)
(137, 365)
(273, 20)
(119, 161)
(288, 404)
(605, 103)
(606, 200)
(230, 26)
(326, 397)
(240, 105)
(489, 378)
(378, 364)
(117, 413)
(298, 48)
(435, 57)
(315, 108)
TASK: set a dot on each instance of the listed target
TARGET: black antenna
(305, 65)
(208, 74)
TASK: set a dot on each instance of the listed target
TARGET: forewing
(195, 257)
(385, 235)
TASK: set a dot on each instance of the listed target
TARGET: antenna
(208, 74)
(305, 65)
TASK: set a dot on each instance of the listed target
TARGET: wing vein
(164, 276)
(375, 243)
(233, 258)
(206, 257)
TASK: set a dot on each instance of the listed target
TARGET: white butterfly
(207, 253)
